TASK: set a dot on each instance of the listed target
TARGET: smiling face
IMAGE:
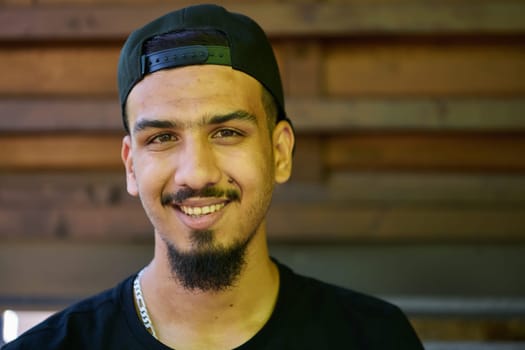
(201, 157)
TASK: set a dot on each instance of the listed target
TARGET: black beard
(208, 267)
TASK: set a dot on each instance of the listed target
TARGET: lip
(200, 222)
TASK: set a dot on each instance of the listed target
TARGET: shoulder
(345, 311)
(80, 320)
(307, 288)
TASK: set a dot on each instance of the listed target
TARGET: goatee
(208, 266)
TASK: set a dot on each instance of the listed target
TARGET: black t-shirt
(309, 314)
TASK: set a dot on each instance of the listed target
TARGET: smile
(200, 211)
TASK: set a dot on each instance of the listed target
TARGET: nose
(197, 166)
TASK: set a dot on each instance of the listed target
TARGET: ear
(127, 159)
(283, 145)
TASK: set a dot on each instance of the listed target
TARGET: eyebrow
(145, 124)
(237, 115)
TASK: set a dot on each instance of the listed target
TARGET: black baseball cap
(248, 50)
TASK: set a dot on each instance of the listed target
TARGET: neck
(194, 319)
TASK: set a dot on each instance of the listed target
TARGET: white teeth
(197, 211)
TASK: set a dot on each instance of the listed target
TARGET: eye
(224, 133)
(162, 138)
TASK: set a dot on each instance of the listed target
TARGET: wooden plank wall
(409, 115)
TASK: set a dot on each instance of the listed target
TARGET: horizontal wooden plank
(358, 69)
(486, 275)
(309, 115)
(447, 69)
(17, 2)
(72, 70)
(424, 189)
(32, 191)
(72, 270)
(457, 329)
(278, 18)
(394, 189)
(331, 223)
(439, 114)
(462, 306)
(355, 207)
(307, 223)
(99, 151)
(63, 69)
(67, 272)
(467, 152)
(408, 152)
(358, 207)
(62, 151)
(60, 114)
(473, 345)
(97, 224)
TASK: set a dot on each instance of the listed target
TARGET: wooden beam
(468, 329)
(65, 152)
(448, 69)
(17, 2)
(436, 114)
(377, 208)
(308, 114)
(96, 19)
(425, 152)
(355, 208)
(357, 70)
(473, 345)
(60, 114)
(330, 222)
(420, 189)
(71, 270)
(306, 223)
(483, 306)
(466, 152)
(358, 152)
(34, 190)
(480, 277)
(101, 151)
(71, 71)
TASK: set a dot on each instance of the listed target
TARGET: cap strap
(185, 56)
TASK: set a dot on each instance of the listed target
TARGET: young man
(208, 139)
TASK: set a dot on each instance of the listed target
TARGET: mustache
(209, 191)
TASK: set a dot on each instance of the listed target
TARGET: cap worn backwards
(249, 50)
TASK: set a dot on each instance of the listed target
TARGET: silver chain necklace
(139, 298)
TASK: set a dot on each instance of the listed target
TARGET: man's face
(201, 157)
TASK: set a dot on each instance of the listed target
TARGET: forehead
(193, 92)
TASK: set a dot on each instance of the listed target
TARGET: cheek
(151, 176)
(250, 169)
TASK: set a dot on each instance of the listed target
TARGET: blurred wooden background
(409, 178)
